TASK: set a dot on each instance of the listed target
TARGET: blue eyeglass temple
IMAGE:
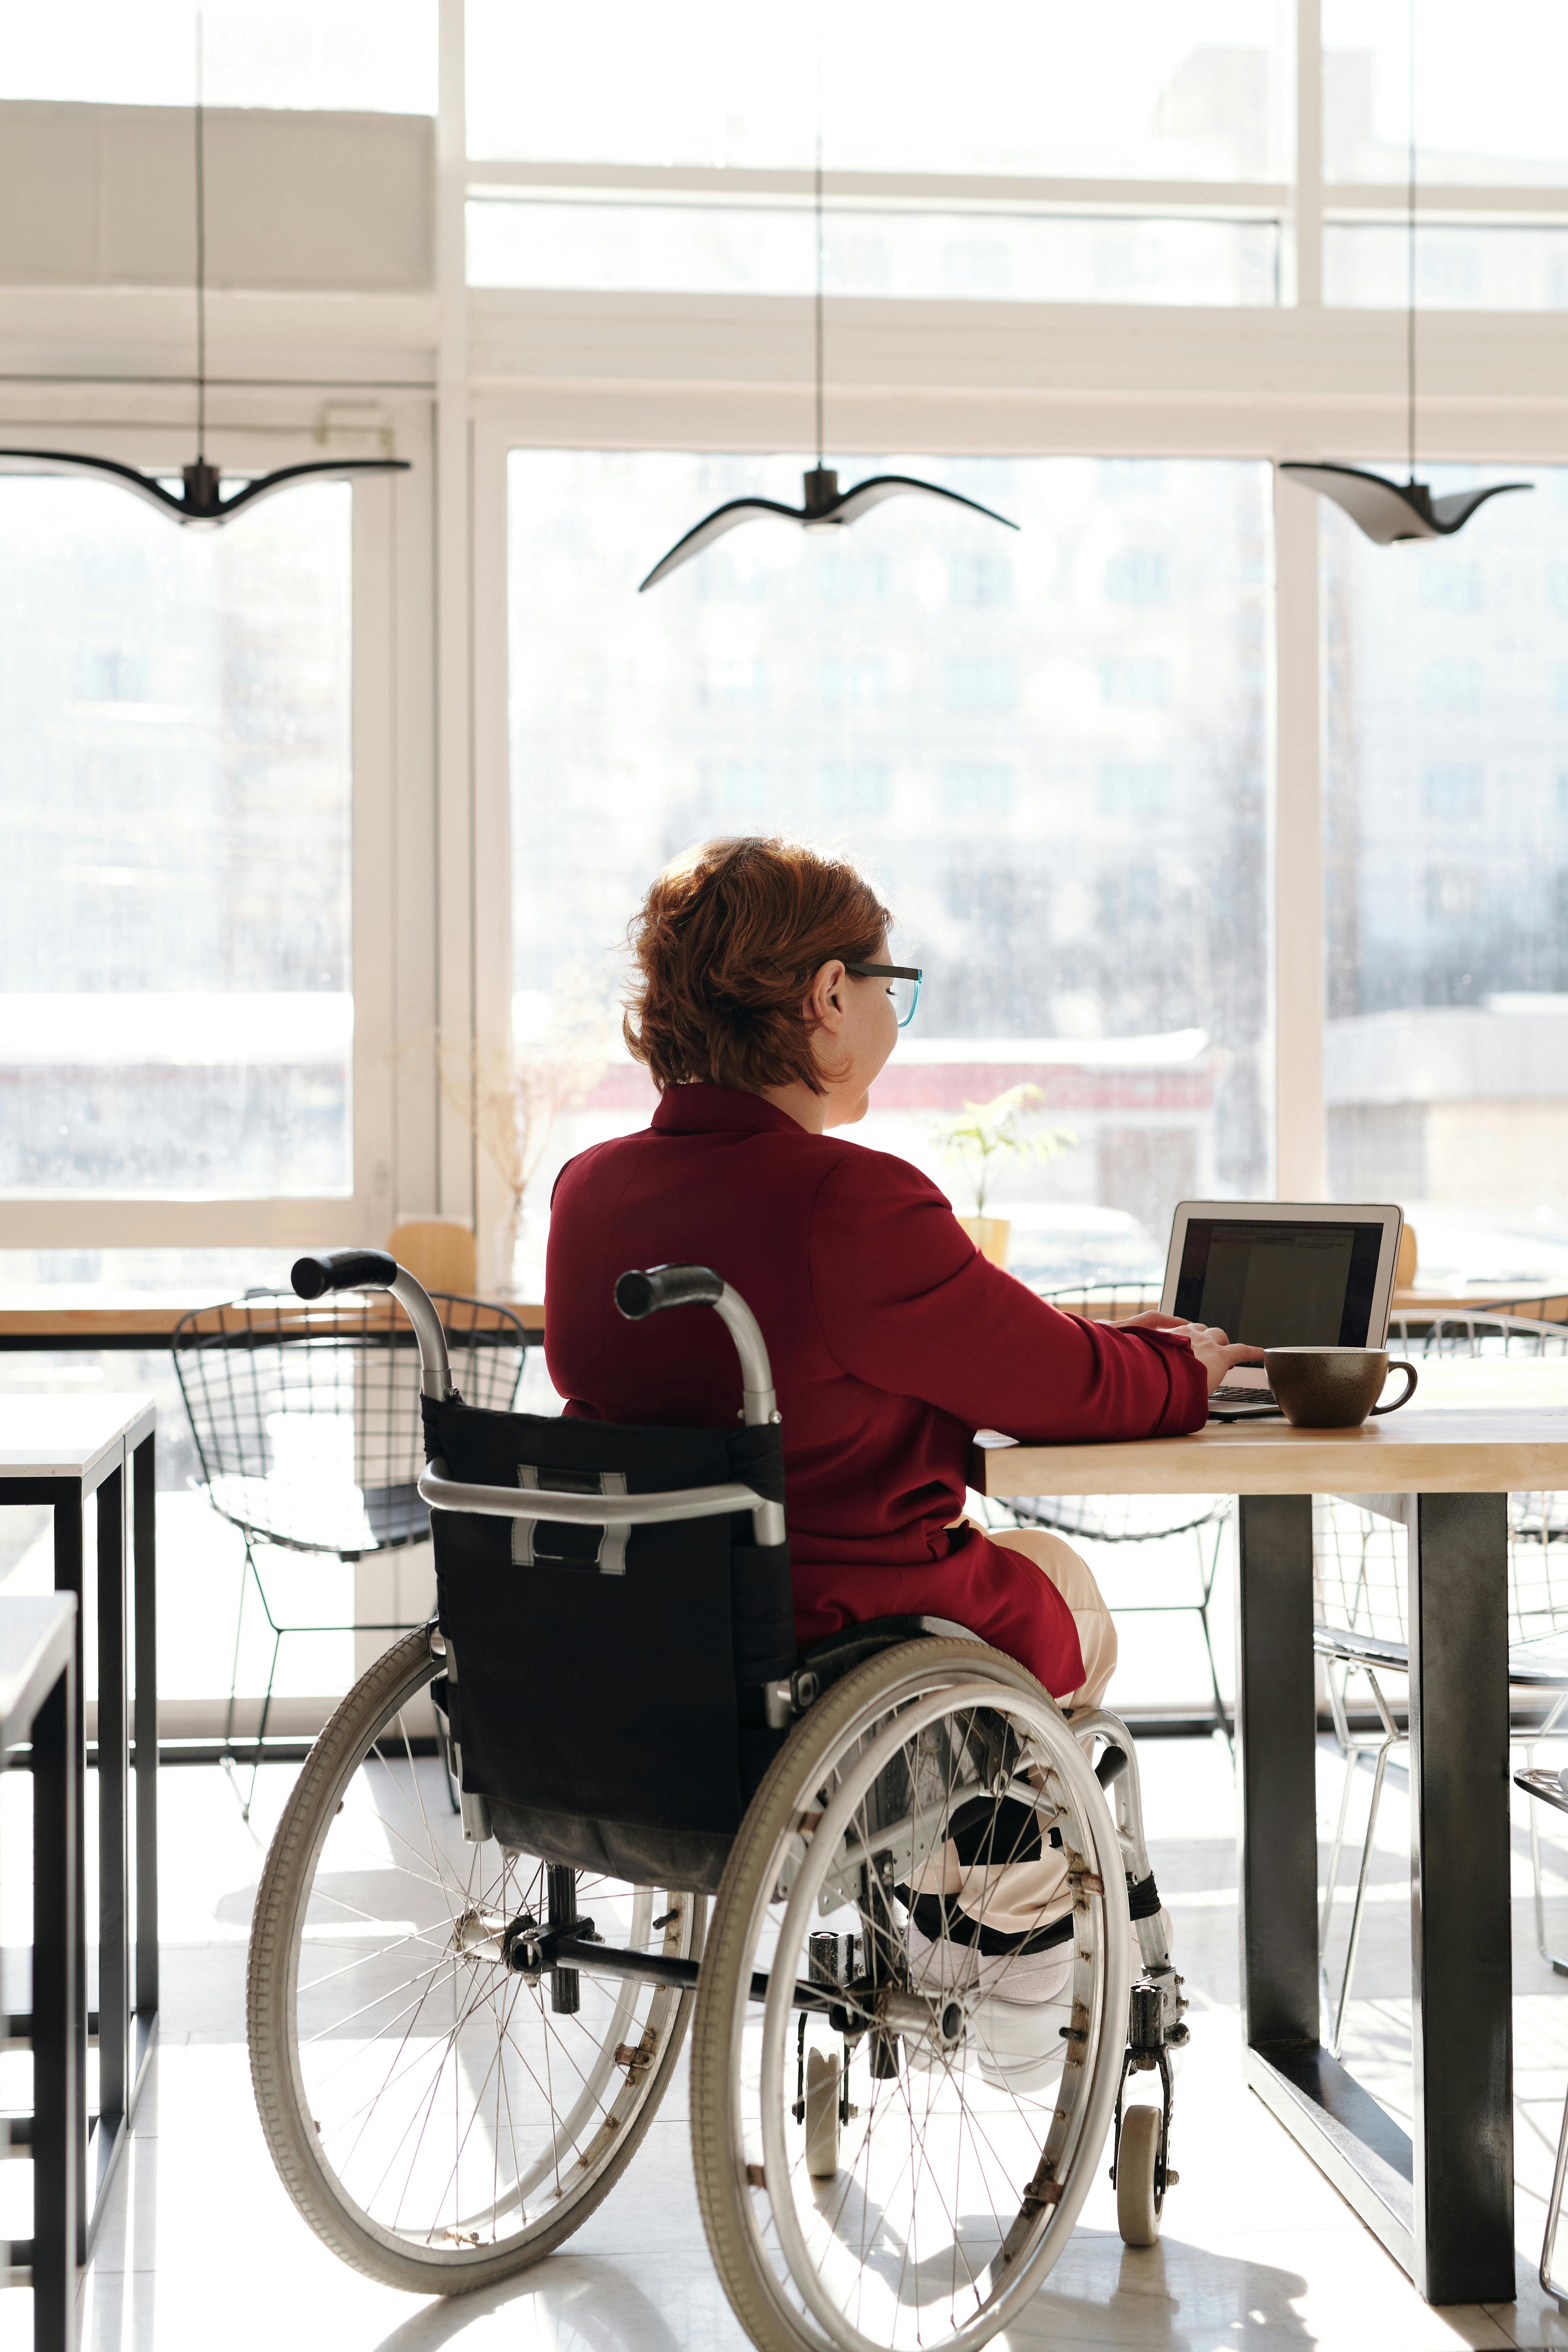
(905, 1018)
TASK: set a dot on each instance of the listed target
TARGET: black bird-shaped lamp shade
(825, 508)
(200, 499)
(1388, 510)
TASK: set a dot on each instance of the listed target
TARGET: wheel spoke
(908, 2248)
(428, 2083)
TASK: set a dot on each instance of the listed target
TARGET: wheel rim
(456, 2115)
(931, 2173)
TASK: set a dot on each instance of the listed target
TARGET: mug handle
(1399, 1365)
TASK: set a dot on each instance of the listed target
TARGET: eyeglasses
(903, 985)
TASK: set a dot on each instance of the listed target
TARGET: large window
(376, 56)
(177, 1014)
(1017, 87)
(1042, 153)
(1482, 115)
(1146, 154)
(868, 248)
(1048, 750)
(1447, 800)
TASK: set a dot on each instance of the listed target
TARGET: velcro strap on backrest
(568, 1546)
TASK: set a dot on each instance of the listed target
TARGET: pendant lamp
(201, 498)
(1385, 510)
(824, 507)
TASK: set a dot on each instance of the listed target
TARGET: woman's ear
(824, 1004)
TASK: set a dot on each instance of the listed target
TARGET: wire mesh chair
(307, 1425)
(1360, 1604)
(1547, 1788)
(1137, 1518)
(1550, 1306)
(1478, 1334)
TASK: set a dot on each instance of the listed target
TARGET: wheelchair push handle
(371, 1269)
(344, 1269)
(644, 1290)
(640, 1294)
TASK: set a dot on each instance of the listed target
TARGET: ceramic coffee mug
(1333, 1388)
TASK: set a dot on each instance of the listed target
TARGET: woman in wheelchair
(764, 1006)
(887, 1864)
(762, 1012)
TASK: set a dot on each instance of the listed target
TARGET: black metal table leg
(1444, 2204)
(1276, 1741)
(1461, 1958)
(57, 2023)
(70, 1503)
(122, 1483)
(120, 1476)
(114, 2054)
(1342, 2127)
(144, 1572)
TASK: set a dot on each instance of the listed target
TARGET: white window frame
(465, 374)
(697, 418)
(563, 369)
(392, 1069)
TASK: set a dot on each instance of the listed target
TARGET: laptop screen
(1273, 1285)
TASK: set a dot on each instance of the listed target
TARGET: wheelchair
(461, 2026)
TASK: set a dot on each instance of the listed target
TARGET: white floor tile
(200, 2244)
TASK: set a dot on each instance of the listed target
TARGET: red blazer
(892, 1340)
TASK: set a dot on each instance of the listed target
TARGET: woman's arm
(907, 1303)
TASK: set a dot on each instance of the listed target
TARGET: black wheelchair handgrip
(637, 1295)
(344, 1269)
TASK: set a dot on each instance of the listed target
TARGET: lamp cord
(1410, 268)
(201, 260)
(818, 177)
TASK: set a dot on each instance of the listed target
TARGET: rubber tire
(396, 1677)
(1137, 2212)
(725, 1954)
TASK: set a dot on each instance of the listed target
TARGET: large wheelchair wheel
(980, 2068)
(439, 2119)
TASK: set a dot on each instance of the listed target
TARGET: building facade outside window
(176, 1005)
(1446, 830)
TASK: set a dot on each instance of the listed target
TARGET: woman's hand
(1208, 1341)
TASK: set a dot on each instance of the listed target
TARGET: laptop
(1281, 1273)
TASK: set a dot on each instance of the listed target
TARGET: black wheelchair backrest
(614, 1602)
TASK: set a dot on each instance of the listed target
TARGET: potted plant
(988, 1137)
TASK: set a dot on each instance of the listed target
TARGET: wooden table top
(76, 1314)
(1506, 1296)
(1494, 1427)
(86, 1310)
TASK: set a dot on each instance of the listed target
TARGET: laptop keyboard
(1231, 1394)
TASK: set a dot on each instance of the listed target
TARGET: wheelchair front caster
(823, 2069)
(1137, 2202)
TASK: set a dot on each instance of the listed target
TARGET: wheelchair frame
(564, 1947)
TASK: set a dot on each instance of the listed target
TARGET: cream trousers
(1074, 1579)
(1018, 1895)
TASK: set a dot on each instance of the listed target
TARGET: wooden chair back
(439, 1253)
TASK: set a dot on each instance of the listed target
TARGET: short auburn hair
(725, 946)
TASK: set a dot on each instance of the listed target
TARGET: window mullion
(1297, 862)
